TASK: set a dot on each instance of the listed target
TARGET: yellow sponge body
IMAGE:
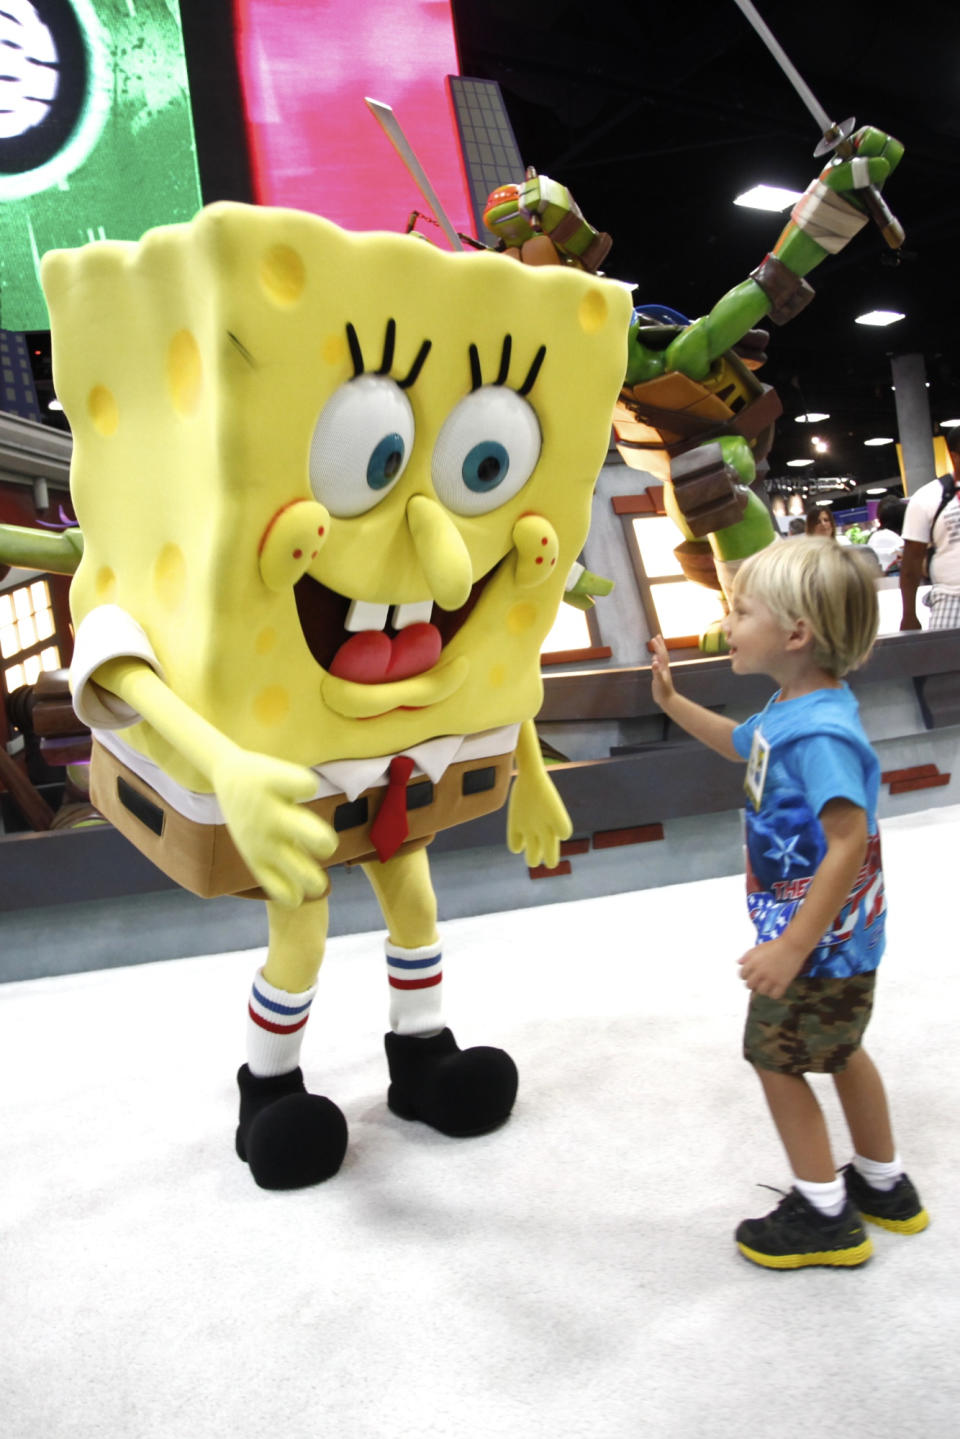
(193, 367)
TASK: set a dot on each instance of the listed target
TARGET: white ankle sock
(416, 988)
(877, 1173)
(275, 1026)
(828, 1198)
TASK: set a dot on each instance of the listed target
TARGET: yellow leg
(297, 941)
(406, 899)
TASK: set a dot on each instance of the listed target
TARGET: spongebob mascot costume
(331, 488)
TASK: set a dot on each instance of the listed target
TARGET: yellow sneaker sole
(837, 1258)
(900, 1226)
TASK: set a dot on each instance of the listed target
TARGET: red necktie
(390, 828)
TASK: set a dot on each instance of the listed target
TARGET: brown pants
(204, 859)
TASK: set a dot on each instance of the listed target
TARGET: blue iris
(384, 464)
(485, 466)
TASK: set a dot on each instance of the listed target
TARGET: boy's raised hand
(663, 690)
(771, 968)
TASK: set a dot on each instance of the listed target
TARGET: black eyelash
(533, 371)
(417, 365)
(504, 370)
(356, 354)
(389, 345)
(389, 341)
(476, 374)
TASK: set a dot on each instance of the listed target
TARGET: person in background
(931, 548)
(820, 521)
(797, 526)
(805, 614)
(886, 540)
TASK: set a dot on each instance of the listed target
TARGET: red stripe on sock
(415, 983)
(276, 1028)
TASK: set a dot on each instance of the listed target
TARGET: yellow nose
(441, 552)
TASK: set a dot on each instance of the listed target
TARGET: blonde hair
(824, 583)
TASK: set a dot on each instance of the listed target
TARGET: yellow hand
(537, 819)
(279, 840)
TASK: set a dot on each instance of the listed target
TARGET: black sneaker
(898, 1208)
(796, 1234)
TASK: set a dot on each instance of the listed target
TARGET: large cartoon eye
(361, 444)
(486, 451)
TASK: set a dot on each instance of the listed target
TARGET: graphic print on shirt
(785, 846)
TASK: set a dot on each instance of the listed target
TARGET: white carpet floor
(571, 1275)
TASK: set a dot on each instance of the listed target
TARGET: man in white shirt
(932, 519)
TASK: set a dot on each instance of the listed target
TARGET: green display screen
(96, 136)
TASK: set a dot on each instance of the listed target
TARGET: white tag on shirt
(756, 776)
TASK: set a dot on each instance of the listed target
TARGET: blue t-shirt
(802, 753)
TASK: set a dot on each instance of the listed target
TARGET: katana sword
(833, 136)
(391, 125)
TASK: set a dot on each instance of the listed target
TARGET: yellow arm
(536, 817)
(259, 795)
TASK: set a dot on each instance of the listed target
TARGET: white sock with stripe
(416, 989)
(877, 1173)
(275, 1025)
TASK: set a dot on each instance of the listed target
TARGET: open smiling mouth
(376, 644)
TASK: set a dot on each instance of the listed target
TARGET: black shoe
(796, 1234)
(460, 1092)
(289, 1138)
(898, 1208)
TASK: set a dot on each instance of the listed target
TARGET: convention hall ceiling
(657, 115)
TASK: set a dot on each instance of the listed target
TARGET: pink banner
(306, 66)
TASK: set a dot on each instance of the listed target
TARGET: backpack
(949, 485)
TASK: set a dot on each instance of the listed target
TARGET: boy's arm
(770, 968)
(911, 578)
(710, 729)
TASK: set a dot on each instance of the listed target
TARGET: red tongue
(371, 657)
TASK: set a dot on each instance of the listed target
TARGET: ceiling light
(877, 490)
(767, 197)
(813, 416)
(949, 424)
(796, 464)
(880, 317)
(879, 440)
(54, 405)
(819, 445)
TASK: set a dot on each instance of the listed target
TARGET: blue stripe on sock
(395, 963)
(279, 1008)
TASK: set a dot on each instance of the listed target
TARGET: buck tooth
(414, 614)
(364, 616)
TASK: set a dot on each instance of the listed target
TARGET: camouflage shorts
(814, 1028)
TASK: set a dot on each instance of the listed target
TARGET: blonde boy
(805, 613)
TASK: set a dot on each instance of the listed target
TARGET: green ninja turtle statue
(690, 388)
